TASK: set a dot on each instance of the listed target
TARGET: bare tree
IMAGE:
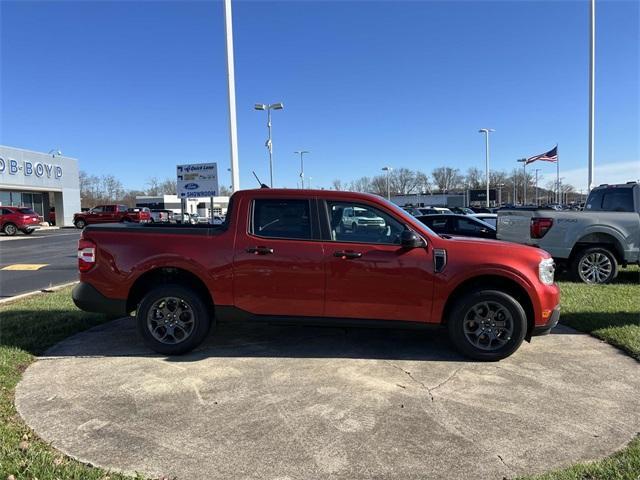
(360, 185)
(338, 185)
(153, 186)
(446, 178)
(474, 178)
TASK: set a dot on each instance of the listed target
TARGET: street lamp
(301, 152)
(310, 178)
(486, 132)
(388, 170)
(54, 152)
(268, 143)
(537, 170)
(524, 180)
(500, 185)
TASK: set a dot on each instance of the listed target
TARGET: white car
(355, 218)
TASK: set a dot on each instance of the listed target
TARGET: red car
(111, 214)
(13, 219)
(285, 255)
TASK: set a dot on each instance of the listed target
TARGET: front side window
(282, 219)
(363, 224)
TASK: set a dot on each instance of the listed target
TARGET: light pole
(310, 178)
(231, 88)
(524, 180)
(500, 185)
(537, 170)
(55, 153)
(268, 143)
(388, 170)
(486, 132)
(301, 152)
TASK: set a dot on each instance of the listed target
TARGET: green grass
(27, 328)
(30, 326)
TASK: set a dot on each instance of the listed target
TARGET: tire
(28, 231)
(9, 229)
(80, 224)
(596, 265)
(151, 311)
(354, 227)
(468, 334)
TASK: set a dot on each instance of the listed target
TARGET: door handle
(347, 254)
(260, 250)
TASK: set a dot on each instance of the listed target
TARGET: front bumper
(88, 298)
(545, 329)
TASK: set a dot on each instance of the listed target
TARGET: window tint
(620, 200)
(469, 226)
(363, 224)
(282, 219)
(594, 201)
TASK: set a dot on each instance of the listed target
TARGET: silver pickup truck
(592, 243)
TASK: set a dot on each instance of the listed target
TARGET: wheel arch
(493, 282)
(598, 239)
(165, 275)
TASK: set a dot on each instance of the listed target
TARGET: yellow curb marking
(25, 266)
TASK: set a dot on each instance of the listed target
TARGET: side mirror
(409, 239)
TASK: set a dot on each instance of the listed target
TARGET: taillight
(540, 227)
(86, 255)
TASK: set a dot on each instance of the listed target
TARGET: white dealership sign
(197, 180)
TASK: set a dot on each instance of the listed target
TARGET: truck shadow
(625, 276)
(120, 338)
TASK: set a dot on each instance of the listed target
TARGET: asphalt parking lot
(37, 261)
(295, 403)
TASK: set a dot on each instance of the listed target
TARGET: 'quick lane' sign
(28, 169)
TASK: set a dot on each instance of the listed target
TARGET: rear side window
(5, 211)
(618, 200)
(122, 208)
(110, 208)
(282, 219)
(469, 226)
(27, 211)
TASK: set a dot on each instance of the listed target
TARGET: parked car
(14, 219)
(355, 218)
(462, 210)
(592, 243)
(110, 214)
(434, 210)
(490, 218)
(158, 215)
(462, 225)
(281, 256)
(480, 210)
(139, 214)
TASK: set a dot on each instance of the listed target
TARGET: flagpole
(558, 175)
(592, 96)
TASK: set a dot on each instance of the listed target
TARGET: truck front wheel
(172, 319)
(595, 265)
(487, 325)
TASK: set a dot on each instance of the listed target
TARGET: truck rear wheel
(595, 265)
(172, 319)
(487, 325)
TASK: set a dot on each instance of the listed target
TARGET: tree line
(404, 181)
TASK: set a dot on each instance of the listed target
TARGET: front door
(369, 275)
(278, 264)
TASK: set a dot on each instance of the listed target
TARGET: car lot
(39, 261)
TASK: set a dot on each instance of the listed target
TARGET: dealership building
(40, 181)
(201, 206)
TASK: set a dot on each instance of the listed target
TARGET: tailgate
(514, 226)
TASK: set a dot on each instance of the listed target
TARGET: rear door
(369, 275)
(278, 262)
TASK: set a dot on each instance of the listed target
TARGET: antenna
(262, 185)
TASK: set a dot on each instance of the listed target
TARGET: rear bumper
(545, 329)
(88, 298)
(33, 226)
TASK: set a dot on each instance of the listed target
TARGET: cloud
(618, 172)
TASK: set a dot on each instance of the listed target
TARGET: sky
(134, 88)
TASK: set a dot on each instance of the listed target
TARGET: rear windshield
(611, 200)
(27, 211)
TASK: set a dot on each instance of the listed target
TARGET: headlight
(546, 269)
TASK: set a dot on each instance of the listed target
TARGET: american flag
(550, 156)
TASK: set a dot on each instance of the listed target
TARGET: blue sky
(133, 88)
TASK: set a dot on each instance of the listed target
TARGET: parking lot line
(25, 266)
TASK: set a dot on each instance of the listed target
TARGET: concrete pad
(298, 403)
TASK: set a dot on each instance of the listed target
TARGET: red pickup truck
(111, 214)
(285, 255)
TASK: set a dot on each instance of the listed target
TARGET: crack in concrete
(455, 372)
(408, 374)
(505, 463)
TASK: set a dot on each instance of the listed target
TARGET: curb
(36, 292)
